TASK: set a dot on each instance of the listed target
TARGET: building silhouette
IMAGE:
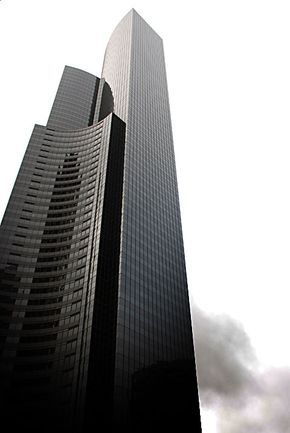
(95, 318)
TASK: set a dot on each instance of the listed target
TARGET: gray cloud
(224, 356)
(245, 399)
(265, 411)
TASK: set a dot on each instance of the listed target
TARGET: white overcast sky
(228, 73)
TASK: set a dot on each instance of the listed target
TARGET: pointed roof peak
(133, 12)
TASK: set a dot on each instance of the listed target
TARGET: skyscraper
(95, 319)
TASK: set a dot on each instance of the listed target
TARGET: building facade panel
(154, 324)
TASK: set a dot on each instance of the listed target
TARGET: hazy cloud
(224, 357)
(266, 411)
(245, 400)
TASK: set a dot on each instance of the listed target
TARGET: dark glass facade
(95, 320)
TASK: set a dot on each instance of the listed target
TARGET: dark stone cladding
(100, 388)
(51, 245)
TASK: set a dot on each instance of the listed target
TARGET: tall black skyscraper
(95, 321)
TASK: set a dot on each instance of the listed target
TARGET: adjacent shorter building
(95, 320)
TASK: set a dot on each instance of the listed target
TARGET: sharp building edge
(95, 326)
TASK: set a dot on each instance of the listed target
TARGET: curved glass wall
(50, 237)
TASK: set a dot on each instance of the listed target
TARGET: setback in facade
(95, 320)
